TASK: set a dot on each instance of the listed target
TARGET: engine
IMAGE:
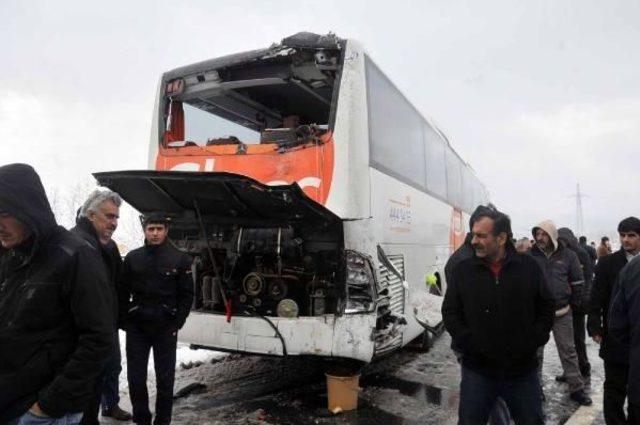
(271, 272)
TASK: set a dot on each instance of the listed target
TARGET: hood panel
(222, 198)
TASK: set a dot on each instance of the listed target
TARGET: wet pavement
(407, 387)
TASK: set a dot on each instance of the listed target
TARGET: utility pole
(579, 216)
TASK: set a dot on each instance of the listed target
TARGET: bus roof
(301, 40)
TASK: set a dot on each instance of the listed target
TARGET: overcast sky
(536, 96)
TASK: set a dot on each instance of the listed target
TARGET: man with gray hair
(96, 223)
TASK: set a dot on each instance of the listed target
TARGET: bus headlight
(360, 283)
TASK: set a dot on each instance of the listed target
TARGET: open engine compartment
(275, 271)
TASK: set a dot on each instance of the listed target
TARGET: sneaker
(117, 413)
(561, 378)
(581, 398)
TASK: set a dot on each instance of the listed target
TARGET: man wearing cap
(155, 295)
(614, 353)
(56, 310)
(566, 282)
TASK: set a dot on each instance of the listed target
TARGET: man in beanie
(56, 310)
(155, 296)
(613, 352)
(498, 310)
(566, 282)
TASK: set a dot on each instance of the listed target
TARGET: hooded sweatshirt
(561, 268)
(566, 236)
(56, 320)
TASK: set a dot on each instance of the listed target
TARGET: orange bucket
(342, 392)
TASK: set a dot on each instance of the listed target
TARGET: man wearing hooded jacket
(56, 317)
(156, 293)
(566, 282)
(569, 240)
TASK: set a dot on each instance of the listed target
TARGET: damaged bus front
(304, 241)
(271, 272)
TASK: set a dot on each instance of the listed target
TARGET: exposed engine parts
(272, 272)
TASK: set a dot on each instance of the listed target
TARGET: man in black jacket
(96, 222)
(568, 239)
(614, 353)
(498, 310)
(56, 316)
(499, 413)
(156, 293)
(624, 326)
(590, 250)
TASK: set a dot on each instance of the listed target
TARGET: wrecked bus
(313, 196)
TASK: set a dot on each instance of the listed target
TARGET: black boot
(581, 398)
(117, 413)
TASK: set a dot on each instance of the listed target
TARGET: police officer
(156, 291)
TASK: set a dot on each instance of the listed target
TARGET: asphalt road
(407, 387)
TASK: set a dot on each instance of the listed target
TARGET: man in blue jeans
(498, 310)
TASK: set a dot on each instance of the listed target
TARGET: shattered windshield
(264, 99)
(202, 128)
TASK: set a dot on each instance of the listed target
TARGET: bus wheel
(423, 342)
(427, 341)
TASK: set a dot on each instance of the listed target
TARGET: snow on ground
(185, 356)
(407, 387)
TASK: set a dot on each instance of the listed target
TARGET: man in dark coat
(56, 315)
(156, 293)
(96, 222)
(624, 326)
(566, 237)
(614, 354)
(500, 412)
(498, 310)
(590, 250)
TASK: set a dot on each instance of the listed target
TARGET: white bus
(314, 197)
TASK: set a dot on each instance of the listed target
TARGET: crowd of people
(63, 296)
(505, 298)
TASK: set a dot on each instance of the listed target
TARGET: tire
(426, 341)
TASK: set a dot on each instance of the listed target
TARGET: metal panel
(393, 283)
(387, 279)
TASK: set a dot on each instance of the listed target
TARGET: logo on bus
(400, 216)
